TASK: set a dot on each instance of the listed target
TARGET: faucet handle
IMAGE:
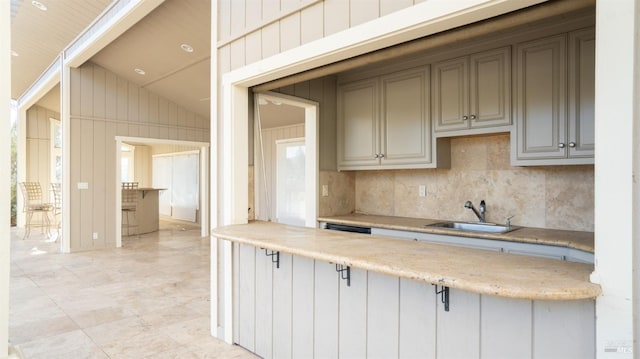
(508, 221)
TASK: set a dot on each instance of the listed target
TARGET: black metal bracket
(275, 257)
(344, 270)
(444, 296)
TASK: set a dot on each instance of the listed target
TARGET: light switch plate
(422, 190)
(325, 190)
(83, 185)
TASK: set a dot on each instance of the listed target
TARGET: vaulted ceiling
(155, 44)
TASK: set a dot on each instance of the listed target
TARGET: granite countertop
(554, 237)
(478, 271)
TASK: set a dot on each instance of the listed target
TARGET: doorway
(285, 159)
(201, 155)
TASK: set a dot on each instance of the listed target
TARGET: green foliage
(14, 172)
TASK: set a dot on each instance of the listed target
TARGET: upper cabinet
(554, 100)
(472, 94)
(383, 122)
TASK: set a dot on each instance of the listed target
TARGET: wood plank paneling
(282, 307)
(86, 175)
(311, 23)
(302, 302)
(417, 327)
(362, 11)
(290, 32)
(325, 311)
(271, 40)
(104, 106)
(339, 18)
(237, 52)
(247, 297)
(353, 316)
(458, 330)
(383, 311)
(505, 328)
(264, 305)
(99, 92)
(253, 46)
(389, 6)
(564, 329)
(99, 183)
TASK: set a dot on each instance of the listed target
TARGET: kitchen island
(330, 294)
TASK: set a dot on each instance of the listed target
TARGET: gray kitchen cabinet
(472, 94)
(384, 122)
(554, 100)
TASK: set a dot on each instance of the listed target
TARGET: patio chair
(56, 189)
(33, 203)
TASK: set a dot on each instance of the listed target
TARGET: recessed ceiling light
(186, 47)
(39, 5)
(139, 71)
(14, 53)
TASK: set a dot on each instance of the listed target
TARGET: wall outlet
(422, 190)
(83, 185)
(325, 190)
(95, 235)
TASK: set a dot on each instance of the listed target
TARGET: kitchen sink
(474, 227)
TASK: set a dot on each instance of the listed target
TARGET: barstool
(129, 204)
(32, 194)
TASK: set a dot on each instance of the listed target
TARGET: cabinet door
(490, 92)
(406, 130)
(450, 94)
(358, 137)
(541, 98)
(582, 55)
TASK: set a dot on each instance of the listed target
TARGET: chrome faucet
(480, 214)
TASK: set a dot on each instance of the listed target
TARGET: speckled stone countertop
(554, 237)
(478, 271)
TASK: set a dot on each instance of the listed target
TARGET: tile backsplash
(560, 197)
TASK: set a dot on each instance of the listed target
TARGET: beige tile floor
(148, 299)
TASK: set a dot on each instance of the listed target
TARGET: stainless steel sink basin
(474, 227)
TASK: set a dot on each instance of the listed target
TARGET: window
(56, 150)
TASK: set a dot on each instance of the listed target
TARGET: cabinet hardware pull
(464, 118)
(377, 155)
(561, 145)
(473, 117)
(382, 155)
(572, 144)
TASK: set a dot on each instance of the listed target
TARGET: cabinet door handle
(377, 155)
(464, 118)
(572, 144)
(473, 117)
(382, 155)
(561, 145)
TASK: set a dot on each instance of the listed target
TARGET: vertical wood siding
(303, 310)
(38, 148)
(104, 106)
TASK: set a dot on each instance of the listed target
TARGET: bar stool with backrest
(129, 205)
(33, 203)
(56, 189)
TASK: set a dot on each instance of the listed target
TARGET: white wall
(5, 171)
(616, 194)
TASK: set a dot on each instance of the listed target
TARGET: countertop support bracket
(345, 273)
(444, 296)
(275, 257)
